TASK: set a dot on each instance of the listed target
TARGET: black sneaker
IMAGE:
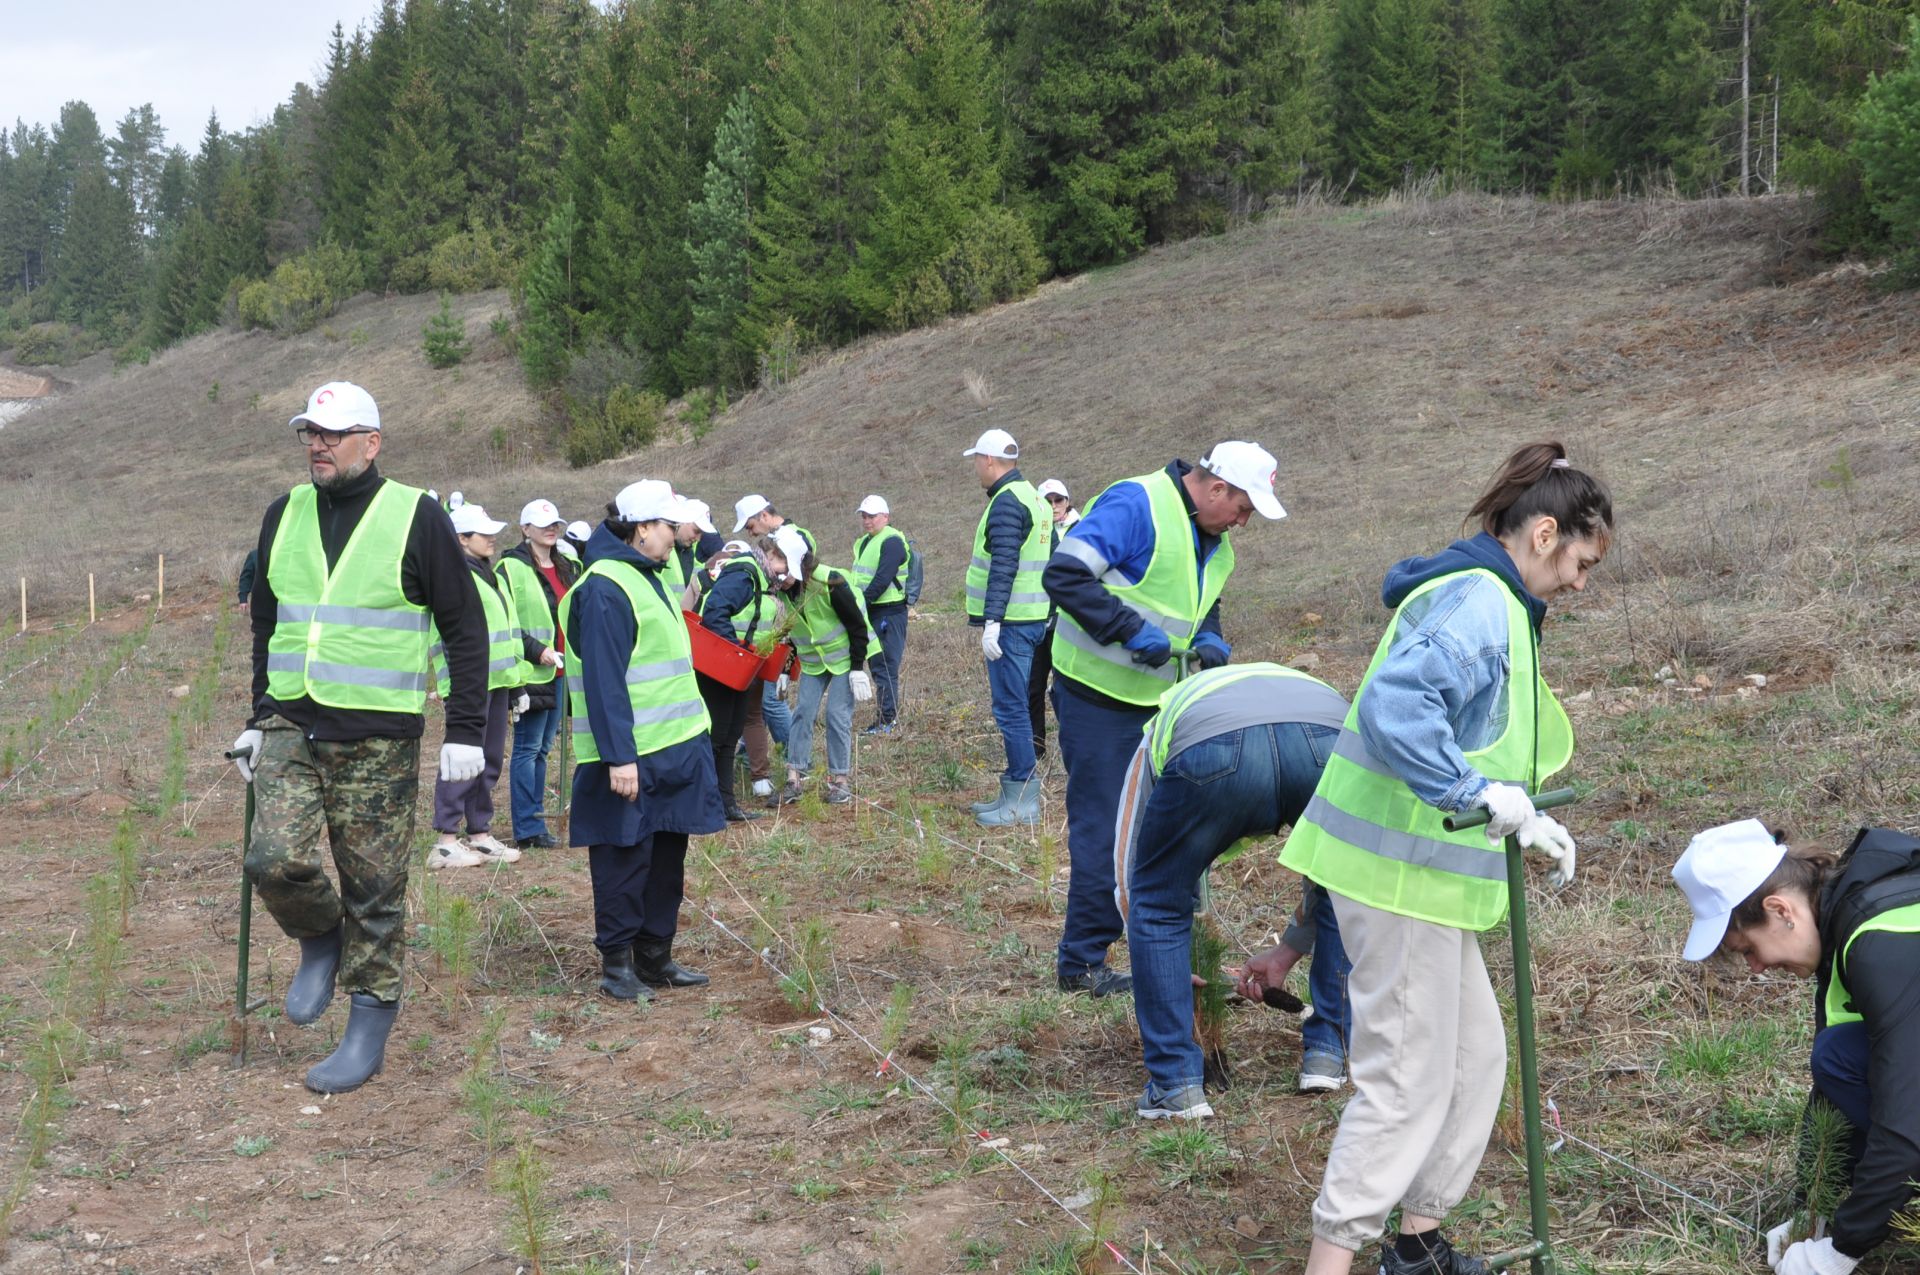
(1439, 1258)
(538, 841)
(1098, 981)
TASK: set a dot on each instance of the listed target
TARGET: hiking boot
(617, 976)
(362, 1049)
(538, 841)
(1098, 981)
(838, 792)
(1186, 1103)
(763, 787)
(1322, 1073)
(1019, 804)
(487, 844)
(786, 796)
(654, 964)
(451, 854)
(1437, 1257)
(730, 807)
(311, 990)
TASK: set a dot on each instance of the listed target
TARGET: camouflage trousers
(361, 794)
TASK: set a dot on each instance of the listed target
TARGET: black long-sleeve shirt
(433, 574)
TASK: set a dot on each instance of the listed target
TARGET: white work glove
(250, 739)
(461, 761)
(1508, 807)
(862, 686)
(990, 640)
(1815, 1257)
(521, 702)
(1549, 836)
(1777, 1240)
(780, 687)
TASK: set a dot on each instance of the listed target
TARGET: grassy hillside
(1761, 444)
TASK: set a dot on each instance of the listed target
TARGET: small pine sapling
(1210, 1003)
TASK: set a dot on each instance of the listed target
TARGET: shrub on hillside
(300, 292)
(627, 420)
(445, 336)
(996, 258)
(599, 368)
(51, 342)
(471, 261)
(1887, 144)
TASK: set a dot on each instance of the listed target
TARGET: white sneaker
(763, 787)
(495, 852)
(451, 854)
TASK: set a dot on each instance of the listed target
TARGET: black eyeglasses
(308, 435)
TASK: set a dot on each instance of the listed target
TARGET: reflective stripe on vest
(347, 637)
(760, 613)
(1901, 920)
(818, 636)
(1028, 599)
(1273, 692)
(503, 641)
(1366, 835)
(527, 595)
(661, 690)
(866, 561)
(1175, 593)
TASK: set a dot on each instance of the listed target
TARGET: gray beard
(340, 476)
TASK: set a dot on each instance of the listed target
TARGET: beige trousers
(1429, 1059)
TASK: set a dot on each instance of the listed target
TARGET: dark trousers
(470, 801)
(1096, 743)
(1037, 678)
(727, 708)
(637, 889)
(1839, 1065)
(890, 625)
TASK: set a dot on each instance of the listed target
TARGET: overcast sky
(188, 57)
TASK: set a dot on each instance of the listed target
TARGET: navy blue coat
(679, 791)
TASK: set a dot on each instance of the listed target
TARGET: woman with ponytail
(1851, 923)
(1452, 714)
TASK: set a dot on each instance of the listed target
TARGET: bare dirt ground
(1760, 441)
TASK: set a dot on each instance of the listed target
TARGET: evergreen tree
(550, 321)
(718, 352)
(1887, 149)
(416, 201)
(1276, 125)
(172, 190)
(95, 282)
(1399, 133)
(552, 75)
(210, 165)
(136, 156)
(27, 211)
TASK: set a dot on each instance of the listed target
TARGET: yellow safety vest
(532, 613)
(866, 561)
(504, 649)
(818, 636)
(1901, 920)
(667, 707)
(1366, 835)
(1028, 600)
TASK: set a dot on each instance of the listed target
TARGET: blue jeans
(1007, 681)
(837, 691)
(1840, 1071)
(775, 713)
(1328, 1029)
(1096, 743)
(890, 623)
(1247, 782)
(527, 772)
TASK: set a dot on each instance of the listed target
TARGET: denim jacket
(1441, 692)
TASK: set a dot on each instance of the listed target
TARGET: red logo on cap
(1272, 474)
(324, 396)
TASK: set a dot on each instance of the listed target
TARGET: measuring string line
(887, 1062)
(1553, 1111)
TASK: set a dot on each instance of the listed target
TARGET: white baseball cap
(1251, 468)
(1053, 487)
(455, 501)
(579, 531)
(468, 519)
(875, 505)
(700, 514)
(1720, 868)
(340, 405)
(746, 507)
(648, 500)
(540, 513)
(996, 443)
(793, 547)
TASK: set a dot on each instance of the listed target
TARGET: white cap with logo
(996, 443)
(1720, 868)
(1053, 487)
(540, 513)
(793, 547)
(468, 519)
(1251, 468)
(746, 507)
(579, 531)
(700, 514)
(338, 406)
(649, 500)
(875, 505)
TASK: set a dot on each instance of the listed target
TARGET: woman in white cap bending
(645, 782)
(1852, 923)
(1452, 713)
(830, 643)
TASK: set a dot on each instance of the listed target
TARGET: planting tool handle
(1478, 816)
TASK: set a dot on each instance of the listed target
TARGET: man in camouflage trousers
(353, 572)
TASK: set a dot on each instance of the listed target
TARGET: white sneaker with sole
(493, 849)
(1322, 1073)
(451, 854)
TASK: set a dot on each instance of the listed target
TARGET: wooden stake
(23, 604)
(91, 613)
(160, 590)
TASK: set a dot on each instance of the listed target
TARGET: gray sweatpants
(1429, 1059)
